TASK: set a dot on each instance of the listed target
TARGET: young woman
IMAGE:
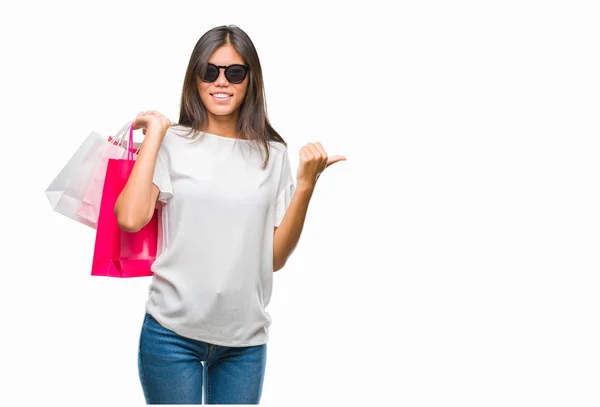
(231, 216)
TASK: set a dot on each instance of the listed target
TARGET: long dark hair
(253, 122)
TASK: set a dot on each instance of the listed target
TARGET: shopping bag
(69, 189)
(118, 253)
(89, 209)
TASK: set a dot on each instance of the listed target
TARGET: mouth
(221, 97)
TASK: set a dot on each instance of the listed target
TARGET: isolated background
(451, 260)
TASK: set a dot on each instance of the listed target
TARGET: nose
(221, 79)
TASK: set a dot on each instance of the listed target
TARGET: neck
(225, 126)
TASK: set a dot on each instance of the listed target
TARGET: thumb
(334, 159)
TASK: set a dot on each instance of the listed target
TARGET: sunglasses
(234, 73)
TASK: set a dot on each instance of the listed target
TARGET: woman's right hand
(151, 119)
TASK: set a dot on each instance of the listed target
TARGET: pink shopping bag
(118, 253)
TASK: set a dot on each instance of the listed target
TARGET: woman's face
(223, 98)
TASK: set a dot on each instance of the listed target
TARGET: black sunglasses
(235, 73)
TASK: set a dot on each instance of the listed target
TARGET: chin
(221, 110)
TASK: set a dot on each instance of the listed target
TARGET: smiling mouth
(221, 96)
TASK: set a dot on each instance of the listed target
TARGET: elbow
(277, 265)
(129, 223)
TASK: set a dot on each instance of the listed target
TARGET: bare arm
(313, 161)
(287, 235)
(136, 203)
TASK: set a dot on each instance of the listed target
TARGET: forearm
(134, 205)
(288, 233)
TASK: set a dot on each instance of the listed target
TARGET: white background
(451, 260)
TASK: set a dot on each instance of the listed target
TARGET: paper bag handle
(130, 144)
(118, 139)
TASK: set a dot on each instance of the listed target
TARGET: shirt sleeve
(162, 177)
(285, 190)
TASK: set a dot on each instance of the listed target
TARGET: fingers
(150, 113)
(315, 151)
(303, 154)
(320, 148)
(307, 152)
(156, 113)
(147, 118)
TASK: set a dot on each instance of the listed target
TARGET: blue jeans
(171, 371)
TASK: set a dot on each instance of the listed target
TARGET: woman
(231, 216)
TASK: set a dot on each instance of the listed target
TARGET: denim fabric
(171, 371)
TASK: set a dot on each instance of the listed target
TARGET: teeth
(221, 95)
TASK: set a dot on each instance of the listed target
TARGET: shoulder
(278, 149)
(278, 153)
(179, 132)
(176, 136)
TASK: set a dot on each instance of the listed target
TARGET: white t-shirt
(213, 278)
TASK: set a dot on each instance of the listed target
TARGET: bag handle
(130, 144)
(118, 139)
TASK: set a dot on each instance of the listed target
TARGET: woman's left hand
(313, 161)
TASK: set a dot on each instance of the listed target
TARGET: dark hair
(253, 122)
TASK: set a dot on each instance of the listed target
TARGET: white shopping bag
(76, 192)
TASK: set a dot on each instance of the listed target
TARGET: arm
(287, 235)
(313, 161)
(136, 203)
